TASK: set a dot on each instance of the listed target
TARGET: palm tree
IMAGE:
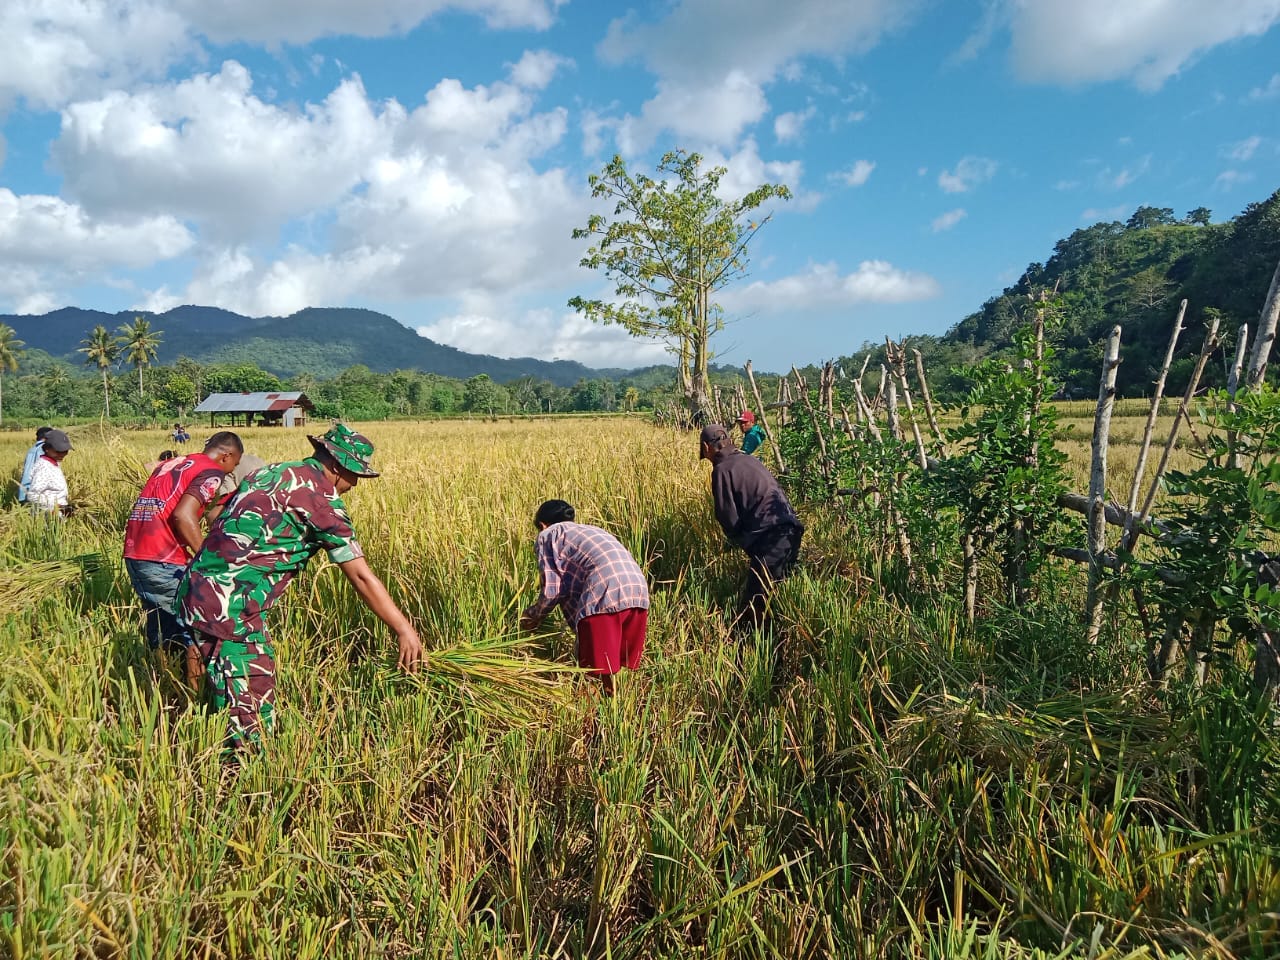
(141, 344)
(102, 350)
(10, 351)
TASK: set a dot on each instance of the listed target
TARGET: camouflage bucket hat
(352, 450)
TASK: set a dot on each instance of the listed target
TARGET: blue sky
(428, 158)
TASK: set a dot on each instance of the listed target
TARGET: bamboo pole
(1210, 342)
(1098, 483)
(803, 389)
(927, 397)
(773, 440)
(890, 391)
(1266, 333)
(1233, 386)
(897, 358)
(1129, 537)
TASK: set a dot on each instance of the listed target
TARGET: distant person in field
(752, 432)
(592, 577)
(180, 435)
(163, 533)
(754, 514)
(29, 463)
(47, 492)
(282, 515)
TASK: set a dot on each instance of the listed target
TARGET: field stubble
(905, 789)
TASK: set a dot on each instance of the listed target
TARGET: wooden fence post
(1098, 484)
(1210, 342)
(927, 397)
(1266, 333)
(1135, 488)
(774, 439)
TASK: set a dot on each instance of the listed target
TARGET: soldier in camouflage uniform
(279, 519)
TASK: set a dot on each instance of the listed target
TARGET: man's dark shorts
(156, 584)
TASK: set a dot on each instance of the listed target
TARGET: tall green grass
(888, 785)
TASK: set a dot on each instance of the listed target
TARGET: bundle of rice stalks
(24, 585)
(494, 677)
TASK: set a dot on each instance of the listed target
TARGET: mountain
(1133, 274)
(321, 341)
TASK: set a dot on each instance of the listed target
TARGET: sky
(429, 158)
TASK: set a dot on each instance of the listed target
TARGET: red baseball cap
(746, 417)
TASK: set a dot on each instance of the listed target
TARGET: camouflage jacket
(282, 515)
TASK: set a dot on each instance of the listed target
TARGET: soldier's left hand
(410, 650)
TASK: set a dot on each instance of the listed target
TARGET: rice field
(891, 785)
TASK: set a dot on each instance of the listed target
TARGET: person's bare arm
(376, 598)
(185, 523)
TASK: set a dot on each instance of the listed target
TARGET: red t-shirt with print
(148, 535)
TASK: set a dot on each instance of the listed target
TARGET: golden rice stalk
(25, 585)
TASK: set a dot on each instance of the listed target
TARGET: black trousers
(772, 557)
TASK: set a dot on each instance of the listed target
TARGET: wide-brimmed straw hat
(351, 450)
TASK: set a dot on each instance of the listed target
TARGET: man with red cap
(752, 432)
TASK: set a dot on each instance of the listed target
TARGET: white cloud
(822, 285)
(47, 245)
(856, 175)
(714, 113)
(1268, 90)
(789, 127)
(536, 69)
(948, 220)
(968, 173)
(300, 21)
(1066, 185)
(53, 50)
(1243, 150)
(1107, 214)
(1098, 40)
(713, 58)
(209, 150)
(1111, 179)
(746, 169)
(1231, 178)
(544, 333)
(48, 231)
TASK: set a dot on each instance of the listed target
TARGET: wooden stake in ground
(897, 358)
(1127, 540)
(1210, 342)
(1233, 384)
(890, 391)
(1098, 484)
(773, 439)
(803, 389)
(927, 397)
(1266, 333)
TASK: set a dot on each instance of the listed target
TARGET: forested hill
(319, 341)
(1134, 274)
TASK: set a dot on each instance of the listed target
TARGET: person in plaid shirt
(599, 586)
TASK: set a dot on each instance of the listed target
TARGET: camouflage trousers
(242, 681)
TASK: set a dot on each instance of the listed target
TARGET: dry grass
(901, 789)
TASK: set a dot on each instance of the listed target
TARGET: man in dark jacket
(754, 514)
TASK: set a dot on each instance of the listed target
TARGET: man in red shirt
(163, 533)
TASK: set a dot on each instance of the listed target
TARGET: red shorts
(608, 642)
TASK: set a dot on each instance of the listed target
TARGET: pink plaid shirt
(586, 571)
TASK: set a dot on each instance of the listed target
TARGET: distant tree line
(37, 386)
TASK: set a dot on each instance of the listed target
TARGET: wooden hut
(256, 409)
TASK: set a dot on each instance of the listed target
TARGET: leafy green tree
(1198, 217)
(180, 393)
(102, 351)
(59, 390)
(1146, 217)
(672, 243)
(141, 345)
(484, 396)
(10, 352)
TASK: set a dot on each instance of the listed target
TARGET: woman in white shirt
(48, 491)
